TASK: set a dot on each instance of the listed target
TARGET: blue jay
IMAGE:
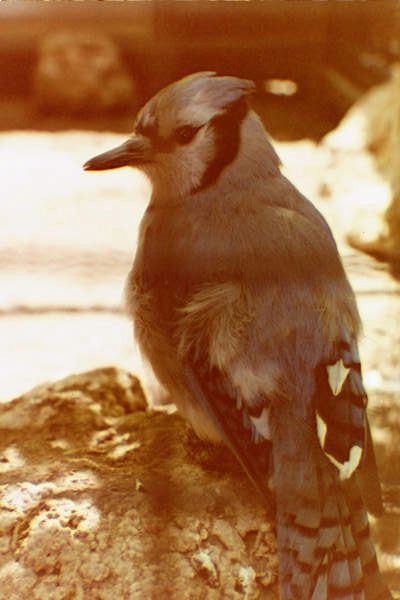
(241, 304)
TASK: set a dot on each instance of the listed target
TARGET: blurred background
(331, 52)
(73, 75)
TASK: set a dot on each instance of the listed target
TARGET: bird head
(186, 135)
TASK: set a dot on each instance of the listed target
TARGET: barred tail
(325, 545)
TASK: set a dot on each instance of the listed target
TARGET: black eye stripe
(183, 135)
(226, 140)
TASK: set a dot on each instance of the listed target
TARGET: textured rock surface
(101, 498)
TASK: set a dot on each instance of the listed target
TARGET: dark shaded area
(333, 54)
(386, 416)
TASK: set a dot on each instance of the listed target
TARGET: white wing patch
(337, 374)
(321, 429)
(347, 468)
(262, 424)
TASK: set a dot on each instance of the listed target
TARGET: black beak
(134, 152)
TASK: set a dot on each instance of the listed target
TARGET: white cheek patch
(347, 468)
(337, 375)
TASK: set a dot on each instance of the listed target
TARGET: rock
(81, 72)
(103, 498)
(372, 125)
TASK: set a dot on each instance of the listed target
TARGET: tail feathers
(327, 553)
(374, 586)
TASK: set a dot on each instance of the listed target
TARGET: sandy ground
(68, 237)
(65, 248)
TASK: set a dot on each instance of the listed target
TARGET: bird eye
(185, 134)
